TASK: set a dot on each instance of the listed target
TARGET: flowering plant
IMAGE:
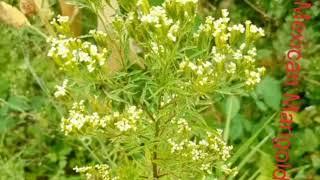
(148, 112)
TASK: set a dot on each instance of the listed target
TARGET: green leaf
(266, 166)
(315, 158)
(310, 141)
(18, 103)
(6, 123)
(156, 2)
(237, 128)
(270, 90)
(250, 154)
(4, 87)
(245, 146)
(232, 107)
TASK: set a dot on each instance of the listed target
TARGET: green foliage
(276, 18)
(32, 145)
(269, 89)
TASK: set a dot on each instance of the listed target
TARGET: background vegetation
(32, 146)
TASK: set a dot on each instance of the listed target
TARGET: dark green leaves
(270, 91)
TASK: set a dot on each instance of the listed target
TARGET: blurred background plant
(31, 146)
(276, 18)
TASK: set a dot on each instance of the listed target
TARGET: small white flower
(204, 142)
(62, 50)
(139, 2)
(200, 70)
(84, 57)
(183, 64)
(183, 125)
(154, 47)
(231, 68)
(225, 13)
(214, 50)
(149, 19)
(61, 90)
(207, 64)
(238, 27)
(123, 125)
(253, 29)
(51, 52)
(192, 66)
(172, 31)
(242, 46)
(219, 57)
(252, 52)
(172, 37)
(237, 55)
(253, 77)
(116, 114)
(90, 67)
(93, 50)
(62, 19)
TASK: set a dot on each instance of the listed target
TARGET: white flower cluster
(226, 56)
(99, 171)
(60, 20)
(95, 32)
(238, 27)
(207, 26)
(231, 68)
(80, 121)
(173, 31)
(202, 71)
(166, 99)
(254, 77)
(254, 29)
(160, 24)
(99, 36)
(156, 48)
(62, 24)
(61, 90)
(215, 28)
(206, 151)
(72, 51)
(221, 30)
(216, 56)
(183, 125)
(157, 17)
(128, 120)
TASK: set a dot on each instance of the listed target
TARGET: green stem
(227, 127)
(40, 83)
(254, 175)
(254, 150)
(155, 156)
(38, 31)
(92, 153)
(299, 168)
(257, 9)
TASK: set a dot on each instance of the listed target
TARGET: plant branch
(257, 9)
